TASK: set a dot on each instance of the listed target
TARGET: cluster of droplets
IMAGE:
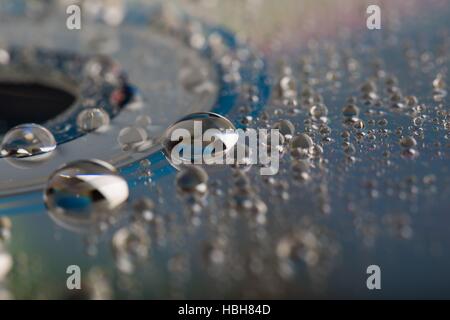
(309, 244)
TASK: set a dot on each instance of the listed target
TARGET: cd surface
(355, 122)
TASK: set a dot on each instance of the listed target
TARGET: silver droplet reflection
(91, 119)
(187, 134)
(85, 193)
(27, 140)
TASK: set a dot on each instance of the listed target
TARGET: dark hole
(30, 102)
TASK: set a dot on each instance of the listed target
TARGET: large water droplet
(84, 193)
(185, 141)
(27, 140)
(92, 119)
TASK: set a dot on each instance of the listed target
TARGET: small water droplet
(192, 179)
(408, 142)
(5, 228)
(350, 111)
(302, 141)
(130, 137)
(286, 128)
(91, 119)
(318, 111)
(130, 244)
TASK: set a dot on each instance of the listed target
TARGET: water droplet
(408, 142)
(359, 124)
(185, 141)
(350, 111)
(5, 229)
(410, 153)
(397, 106)
(439, 82)
(192, 179)
(411, 101)
(349, 148)
(300, 170)
(286, 87)
(130, 244)
(28, 140)
(286, 128)
(318, 111)
(368, 86)
(383, 122)
(91, 119)
(130, 137)
(84, 193)
(302, 141)
(143, 209)
(4, 56)
(143, 121)
(6, 263)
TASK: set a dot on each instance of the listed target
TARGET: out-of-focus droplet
(192, 179)
(5, 228)
(6, 263)
(350, 111)
(131, 137)
(408, 142)
(130, 244)
(286, 128)
(318, 111)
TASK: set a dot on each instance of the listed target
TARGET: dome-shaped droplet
(286, 128)
(301, 146)
(130, 137)
(302, 141)
(192, 179)
(27, 140)
(84, 193)
(350, 111)
(318, 111)
(408, 142)
(91, 119)
(186, 140)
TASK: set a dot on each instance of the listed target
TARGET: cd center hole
(31, 103)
